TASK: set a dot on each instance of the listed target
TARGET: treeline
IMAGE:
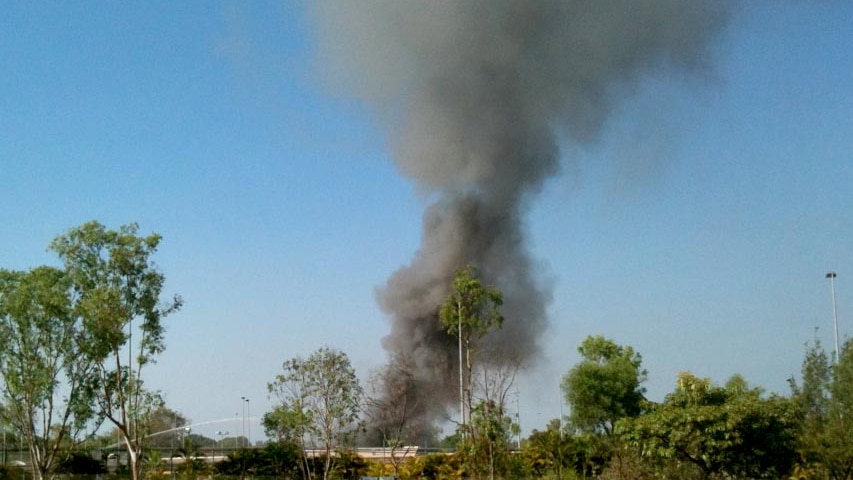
(75, 339)
(699, 431)
(702, 430)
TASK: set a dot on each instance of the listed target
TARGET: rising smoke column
(474, 94)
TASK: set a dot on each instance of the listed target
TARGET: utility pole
(518, 417)
(247, 422)
(243, 422)
(461, 375)
(831, 276)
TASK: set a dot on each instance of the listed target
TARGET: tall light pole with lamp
(243, 421)
(831, 276)
(249, 422)
(461, 379)
(221, 435)
(180, 433)
(247, 410)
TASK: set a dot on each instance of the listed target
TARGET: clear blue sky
(698, 229)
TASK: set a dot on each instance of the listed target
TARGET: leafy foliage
(11, 472)
(838, 440)
(470, 311)
(552, 453)
(243, 462)
(605, 386)
(349, 466)
(392, 407)
(811, 402)
(471, 306)
(727, 430)
(435, 466)
(825, 408)
(44, 378)
(486, 451)
(115, 283)
(319, 402)
(79, 463)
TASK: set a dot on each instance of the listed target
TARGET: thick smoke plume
(474, 95)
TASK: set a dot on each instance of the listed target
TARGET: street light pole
(518, 417)
(560, 445)
(243, 423)
(461, 377)
(247, 409)
(831, 276)
(221, 445)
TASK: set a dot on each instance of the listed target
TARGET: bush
(435, 466)
(79, 463)
(8, 472)
(276, 459)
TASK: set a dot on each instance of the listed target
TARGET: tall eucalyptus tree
(117, 290)
(43, 377)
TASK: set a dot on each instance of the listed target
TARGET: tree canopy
(63, 337)
(318, 405)
(115, 284)
(469, 312)
(605, 386)
(730, 430)
(824, 405)
(43, 377)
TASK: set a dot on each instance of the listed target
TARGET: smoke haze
(474, 95)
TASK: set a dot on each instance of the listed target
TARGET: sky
(697, 228)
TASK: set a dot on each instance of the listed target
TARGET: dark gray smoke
(474, 94)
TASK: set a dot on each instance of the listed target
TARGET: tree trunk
(133, 463)
(134, 460)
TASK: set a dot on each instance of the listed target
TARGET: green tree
(280, 459)
(242, 463)
(391, 403)
(349, 466)
(811, 400)
(79, 463)
(552, 453)
(470, 311)
(487, 450)
(605, 386)
(164, 428)
(276, 459)
(838, 439)
(824, 407)
(44, 377)
(491, 428)
(726, 431)
(318, 406)
(117, 291)
(192, 465)
(434, 466)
